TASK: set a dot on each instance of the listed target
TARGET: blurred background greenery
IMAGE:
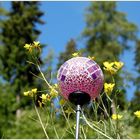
(108, 34)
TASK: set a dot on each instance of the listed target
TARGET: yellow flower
(116, 116)
(45, 97)
(108, 87)
(30, 93)
(92, 58)
(75, 54)
(55, 85)
(137, 114)
(53, 93)
(62, 102)
(28, 47)
(34, 91)
(112, 67)
(26, 93)
(36, 44)
(118, 65)
(109, 67)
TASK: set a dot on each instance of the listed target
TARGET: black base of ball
(79, 98)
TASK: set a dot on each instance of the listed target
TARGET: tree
(137, 63)
(64, 56)
(135, 103)
(3, 13)
(107, 33)
(18, 29)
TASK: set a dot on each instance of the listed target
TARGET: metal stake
(78, 110)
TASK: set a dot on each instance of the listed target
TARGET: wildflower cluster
(67, 111)
(32, 46)
(30, 93)
(112, 67)
(52, 94)
(45, 97)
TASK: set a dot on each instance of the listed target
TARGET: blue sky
(66, 20)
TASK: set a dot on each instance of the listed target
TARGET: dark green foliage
(137, 64)
(17, 30)
(8, 107)
(70, 49)
(135, 103)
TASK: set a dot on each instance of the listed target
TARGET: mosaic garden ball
(80, 80)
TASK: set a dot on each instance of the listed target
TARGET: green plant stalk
(83, 132)
(95, 128)
(67, 121)
(106, 111)
(44, 77)
(117, 121)
(95, 125)
(95, 110)
(41, 122)
(54, 126)
(110, 121)
(57, 98)
(104, 106)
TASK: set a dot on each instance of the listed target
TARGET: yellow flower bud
(36, 44)
(26, 93)
(53, 93)
(34, 91)
(108, 87)
(116, 116)
(45, 97)
(75, 54)
(137, 114)
(112, 67)
(28, 47)
(62, 102)
(92, 58)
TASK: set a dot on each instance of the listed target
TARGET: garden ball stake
(80, 80)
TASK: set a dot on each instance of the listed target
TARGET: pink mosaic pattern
(80, 74)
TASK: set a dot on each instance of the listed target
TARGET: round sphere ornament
(80, 80)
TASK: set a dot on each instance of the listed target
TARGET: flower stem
(41, 122)
(95, 128)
